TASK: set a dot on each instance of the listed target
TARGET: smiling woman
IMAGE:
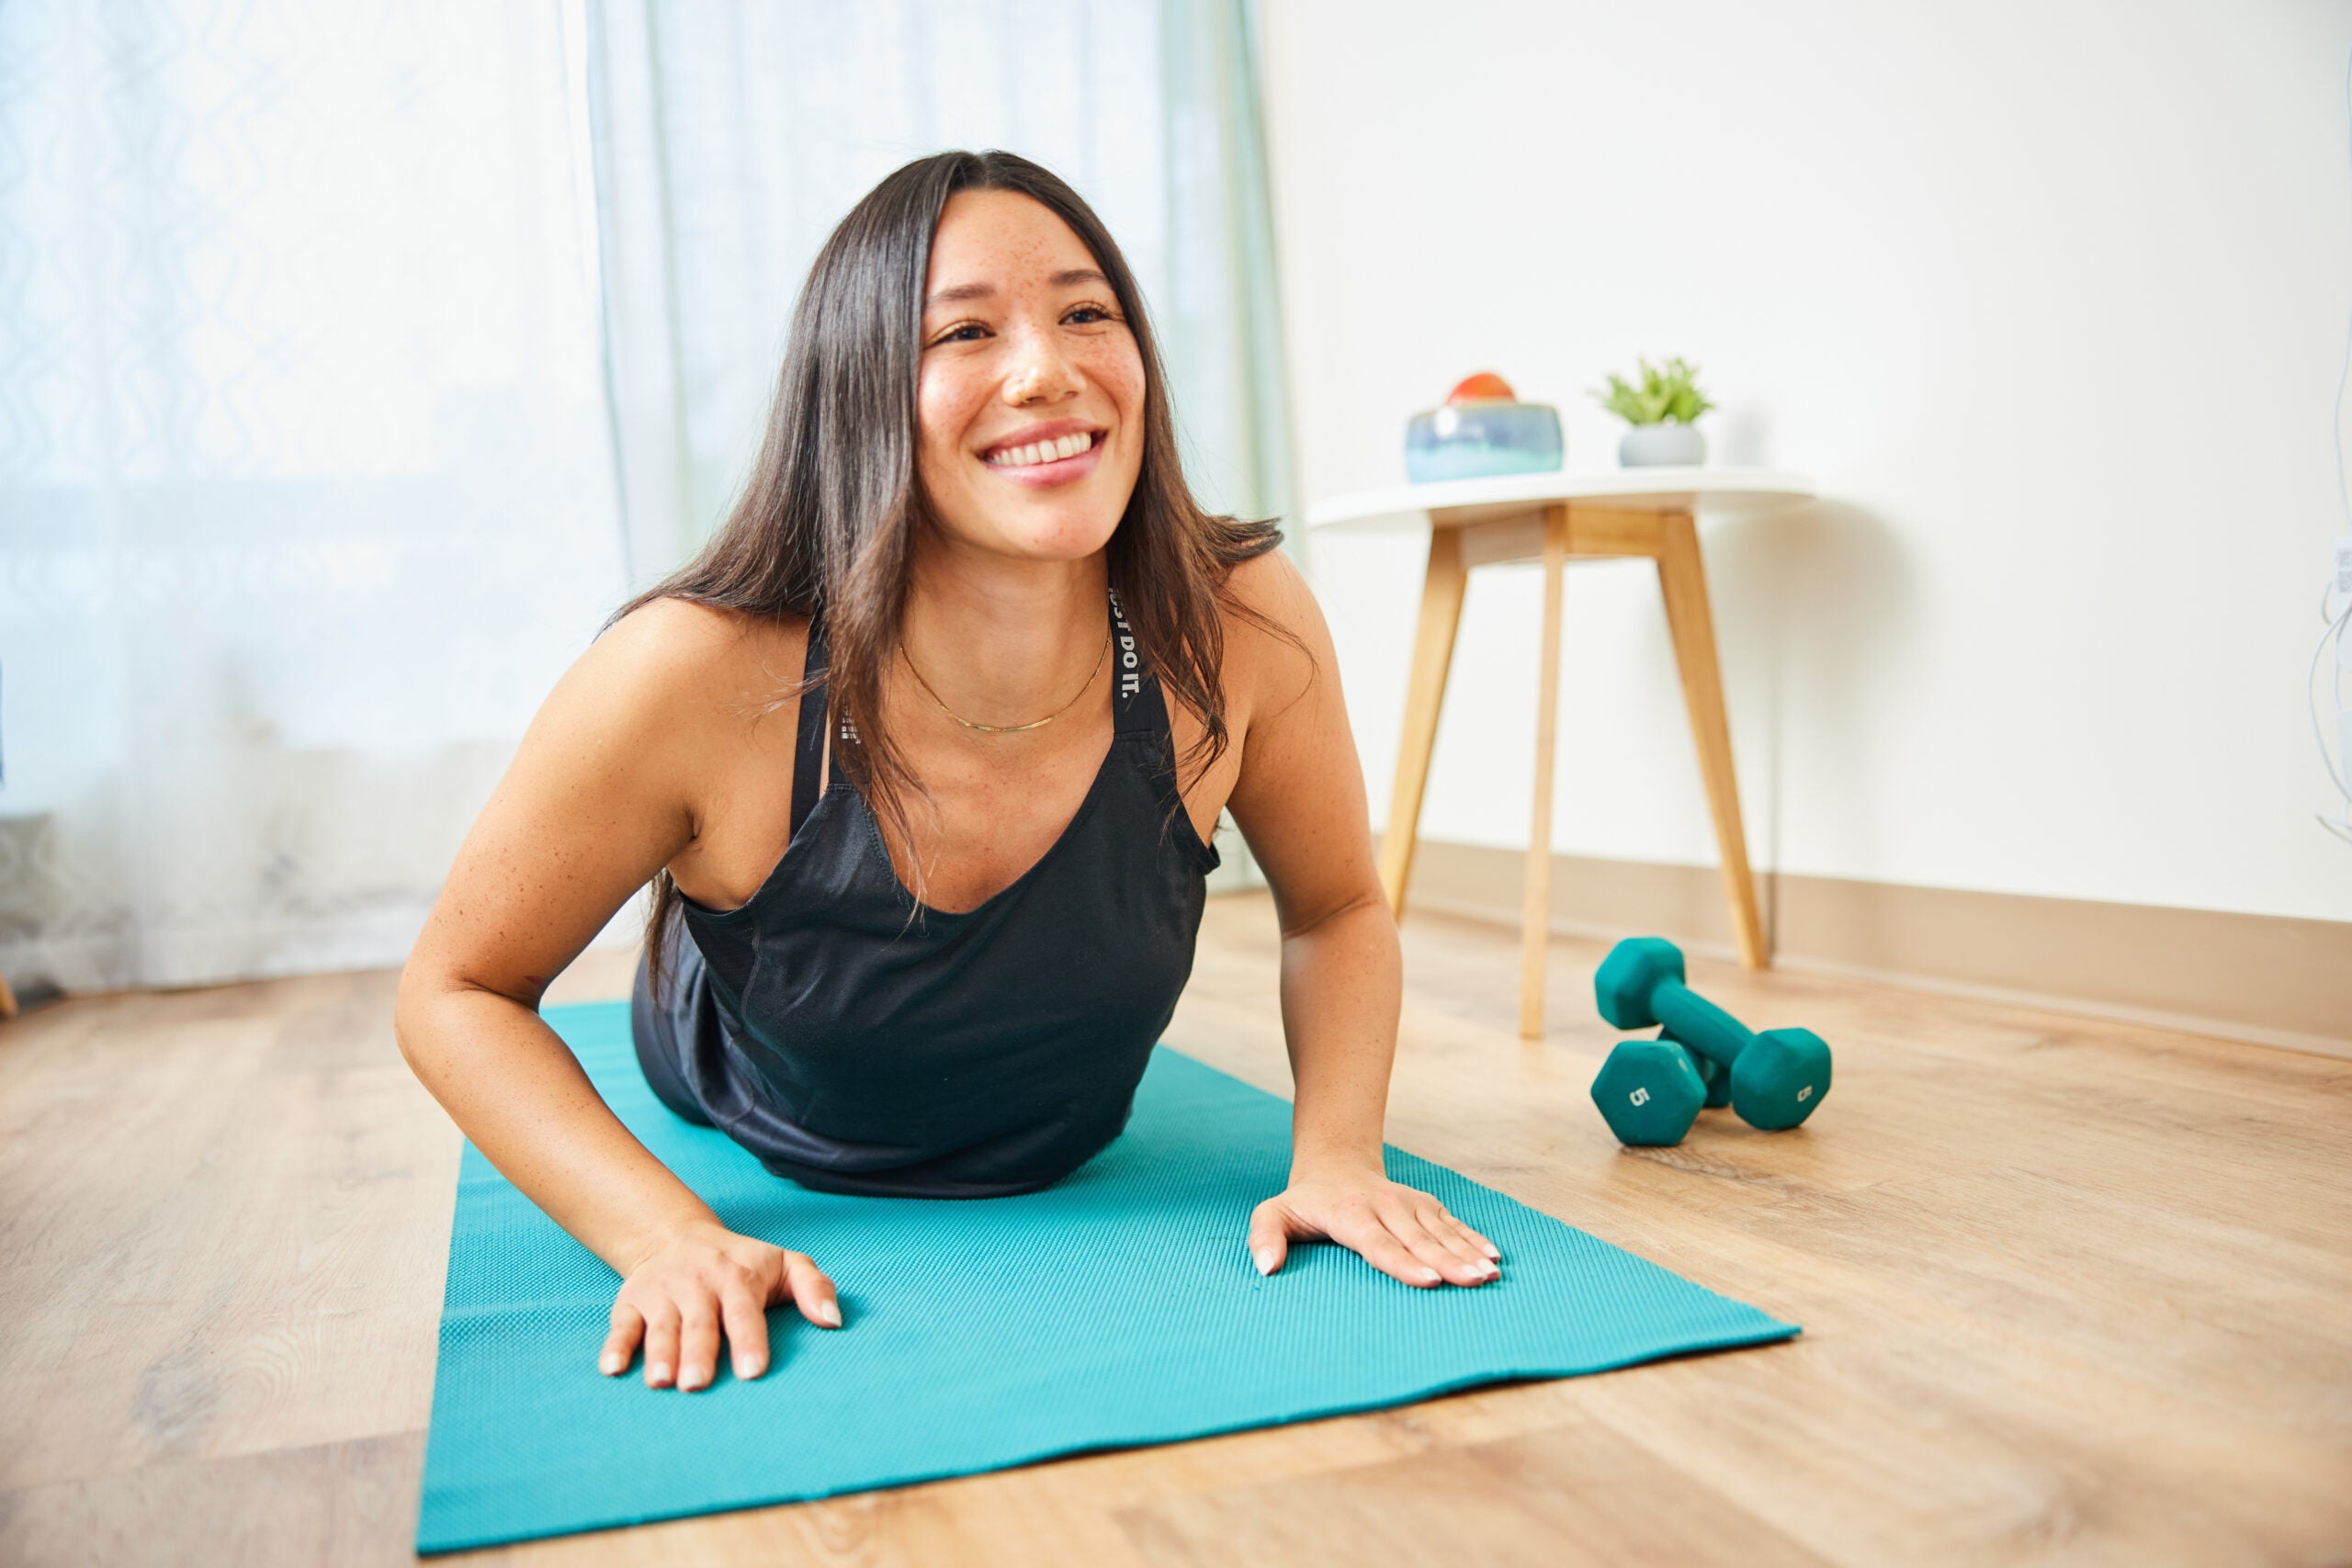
(922, 908)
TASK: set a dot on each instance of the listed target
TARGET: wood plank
(229, 1230)
(1535, 904)
(352, 1505)
(1441, 592)
(1925, 1434)
(1570, 1494)
(1493, 537)
(1614, 531)
(1683, 581)
(1501, 541)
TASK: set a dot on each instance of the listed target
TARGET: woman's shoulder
(1267, 586)
(671, 659)
(685, 637)
(1275, 634)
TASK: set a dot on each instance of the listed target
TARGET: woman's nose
(1041, 371)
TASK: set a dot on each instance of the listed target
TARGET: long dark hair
(825, 523)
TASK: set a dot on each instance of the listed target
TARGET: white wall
(2050, 297)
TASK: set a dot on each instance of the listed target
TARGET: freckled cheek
(1118, 370)
(943, 414)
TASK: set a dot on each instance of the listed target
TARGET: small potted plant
(1660, 410)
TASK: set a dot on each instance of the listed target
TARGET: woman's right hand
(680, 1297)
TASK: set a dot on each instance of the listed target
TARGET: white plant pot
(1662, 445)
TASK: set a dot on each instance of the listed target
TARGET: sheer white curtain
(344, 389)
(305, 476)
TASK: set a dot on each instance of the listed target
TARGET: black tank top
(857, 1042)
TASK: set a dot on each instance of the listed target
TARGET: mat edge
(1777, 1333)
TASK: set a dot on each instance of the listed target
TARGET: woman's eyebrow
(963, 291)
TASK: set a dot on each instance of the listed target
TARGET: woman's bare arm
(598, 799)
(1299, 801)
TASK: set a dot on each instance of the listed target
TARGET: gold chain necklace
(1009, 728)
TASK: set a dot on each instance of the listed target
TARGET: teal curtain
(1219, 311)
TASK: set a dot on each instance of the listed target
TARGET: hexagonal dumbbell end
(1621, 986)
(1648, 1092)
(1781, 1078)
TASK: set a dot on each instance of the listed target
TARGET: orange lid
(1486, 387)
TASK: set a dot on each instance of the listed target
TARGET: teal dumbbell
(1649, 1091)
(1778, 1079)
(1713, 1075)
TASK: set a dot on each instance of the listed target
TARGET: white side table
(1554, 517)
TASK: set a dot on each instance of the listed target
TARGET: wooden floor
(2072, 1291)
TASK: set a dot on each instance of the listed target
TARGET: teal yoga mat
(1117, 1307)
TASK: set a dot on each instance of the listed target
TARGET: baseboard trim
(2265, 979)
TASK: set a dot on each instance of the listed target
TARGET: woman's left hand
(1399, 1230)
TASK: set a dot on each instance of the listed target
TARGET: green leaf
(1667, 392)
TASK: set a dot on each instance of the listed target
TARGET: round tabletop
(1624, 489)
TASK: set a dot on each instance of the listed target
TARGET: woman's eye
(970, 332)
(1087, 315)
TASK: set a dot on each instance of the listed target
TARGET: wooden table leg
(1684, 582)
(1441, 592)
(1535, 911)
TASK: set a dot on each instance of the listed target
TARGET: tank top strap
(1136, 705)
(808, 746)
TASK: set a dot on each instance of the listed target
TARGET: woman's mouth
(1055, 460)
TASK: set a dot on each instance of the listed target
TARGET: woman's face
(1030, 397)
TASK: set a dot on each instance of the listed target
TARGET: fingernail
(610, 1363)
(1264, 1258)
(1488, 1270)
(746, 1370)
(691, 1383)
(657, 1372)
(1430, 1274)
(829, 1313)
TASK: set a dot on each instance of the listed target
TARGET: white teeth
(1042, 451)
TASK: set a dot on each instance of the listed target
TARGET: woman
(921, 757)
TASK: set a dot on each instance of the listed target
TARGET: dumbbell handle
(1699, 1023)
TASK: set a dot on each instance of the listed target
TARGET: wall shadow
(1809, 600)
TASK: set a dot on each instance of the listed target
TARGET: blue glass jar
(1473, 440)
